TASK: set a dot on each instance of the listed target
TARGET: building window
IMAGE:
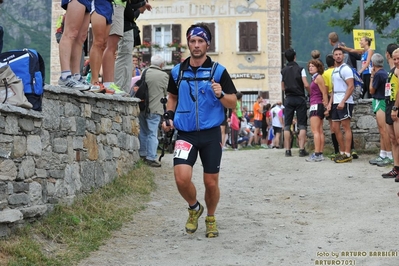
(162, 35)
(248, 36)
(212, 47)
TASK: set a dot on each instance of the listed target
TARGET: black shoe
(303, 153)
(143, 158)
(288, 153)
(153, 163)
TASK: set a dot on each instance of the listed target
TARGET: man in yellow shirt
(328, 82)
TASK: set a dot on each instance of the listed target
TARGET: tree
(378, 12)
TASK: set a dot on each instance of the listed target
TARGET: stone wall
(80, 141)
(363, 124)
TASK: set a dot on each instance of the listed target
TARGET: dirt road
(273, 211)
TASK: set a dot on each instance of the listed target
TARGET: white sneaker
(71, 83)
(82, 80)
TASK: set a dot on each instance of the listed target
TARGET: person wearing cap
(199, 90)
(293, 84)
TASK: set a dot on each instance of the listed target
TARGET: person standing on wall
(123, 62)
(199, 91)
(76, 25)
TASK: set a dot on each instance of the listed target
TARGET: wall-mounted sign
(358, 34)
(247, 76)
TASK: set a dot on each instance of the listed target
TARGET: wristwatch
(221, 95)
(395, 108)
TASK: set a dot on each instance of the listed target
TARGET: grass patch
(70, 233)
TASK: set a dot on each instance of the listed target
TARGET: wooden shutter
(211, 27)
(248, 36)
(176, 38)
(147, 37)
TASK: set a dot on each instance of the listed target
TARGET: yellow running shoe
(211, 227)
(192, 221)
(117, 90)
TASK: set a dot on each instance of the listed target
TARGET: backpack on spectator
(28, 65)
(12, 89)
(357, 82)
(142, 93)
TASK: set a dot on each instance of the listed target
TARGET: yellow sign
(358, 34)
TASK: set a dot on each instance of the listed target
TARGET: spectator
(318, 108)
(315, 54)
(245, 113)
(234, 129)
(239, 106)
(60, 28)
(266, 121)
(377, 89)
(157, 82)
(136, 68)
(115, 35)
(276, 114)
(76, 25)
(224, 129)
(101, 20)
(330, 62)
(246, 133)
(342, 107)
(258, 114)
(349, 58)
(366, 54)
(123, 63)
(197, 117)
(293, 84)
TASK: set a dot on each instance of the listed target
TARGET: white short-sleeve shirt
(339, 84)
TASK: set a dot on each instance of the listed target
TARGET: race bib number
(182, 149)
(313, 107)
(387, 89)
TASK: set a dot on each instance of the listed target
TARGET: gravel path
(273, 211)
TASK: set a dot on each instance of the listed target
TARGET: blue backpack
(357, 82)
(28, 65)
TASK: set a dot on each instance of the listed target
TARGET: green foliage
(310, 27)
(379, 13)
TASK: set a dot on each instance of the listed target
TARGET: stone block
(34, 146)
(11, 126)
(34, 211)
(60, 145)
(20, 187)
(18, 199)
(80, 126)
(26, 124)
(10, 216)
(35, 193)
(90, 143)
(20, 146)
(27, 167)
(8, 170)
(4, 230)
(106, 125)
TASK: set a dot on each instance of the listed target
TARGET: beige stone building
(247, 39)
